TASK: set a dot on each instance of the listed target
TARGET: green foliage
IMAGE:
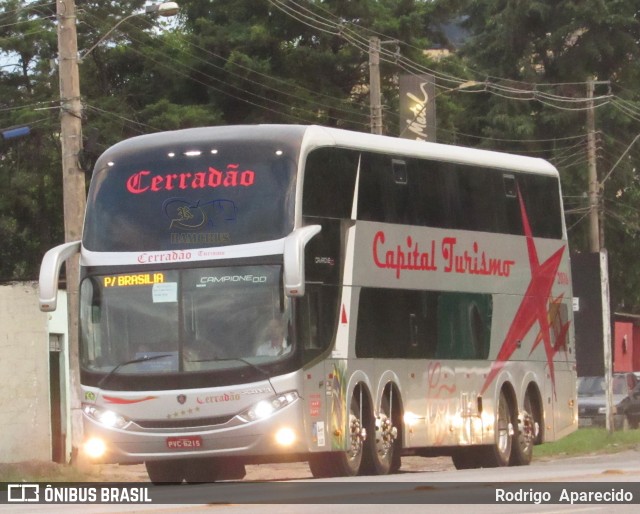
(508, 87)
(537, 50)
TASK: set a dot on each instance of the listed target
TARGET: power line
(530, 91)
(208, 76)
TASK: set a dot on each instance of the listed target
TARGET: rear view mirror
(50, 273)
(294, 245)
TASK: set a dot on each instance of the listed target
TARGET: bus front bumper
(280, 434)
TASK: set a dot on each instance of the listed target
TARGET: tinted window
(448, 195)
(323, 254)
(542, 200)
(329, 181)
(464, 325)
(316, 315)
(394, 323)
(230, 193)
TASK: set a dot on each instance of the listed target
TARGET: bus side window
(394, 323)
(371, 198)
(317, 317)
(385, 190)
(329, 182)
(542, 202)
(512, 217)
(464, 325)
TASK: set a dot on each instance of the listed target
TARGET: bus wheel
(165, 471)
(525, 436)
(207, 470)
(499, 453)
(199, 471)
(384, 446)
(348, 462)
(467, 458)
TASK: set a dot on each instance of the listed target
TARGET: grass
(582, 442)
(587, 441)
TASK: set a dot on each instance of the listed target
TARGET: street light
(73, 179)
(165, 9)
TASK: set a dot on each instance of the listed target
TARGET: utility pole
(596, 244)
(606, 338)
(74, 193)
(594, 207)
(374, 85)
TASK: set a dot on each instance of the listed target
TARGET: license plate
(190, 442)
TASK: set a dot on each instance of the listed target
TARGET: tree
(306, 61)
(30, 213)
(538, 56)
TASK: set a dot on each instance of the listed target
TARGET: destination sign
(135, 279)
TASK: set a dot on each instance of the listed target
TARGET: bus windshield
(184, 321)
(202, 195)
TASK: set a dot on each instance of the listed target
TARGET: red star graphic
(560, 330)
(533, 307)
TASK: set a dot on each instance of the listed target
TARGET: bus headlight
(105, 417)
(265, 408)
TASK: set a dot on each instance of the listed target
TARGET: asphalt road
(419, 491)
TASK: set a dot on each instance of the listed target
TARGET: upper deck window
(207, 194)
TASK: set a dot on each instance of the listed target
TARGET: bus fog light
(285, 437)
(95, 448)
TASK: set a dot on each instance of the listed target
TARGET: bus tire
(321, 465)
(343, 463)
(525, 436)
(208, 470)
(165, 472)
(383, 443)
(467, 458)
(498, 454)
(199, 471)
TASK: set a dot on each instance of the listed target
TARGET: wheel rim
(527, 427)
(356, 439)
(505, 429)
(385, 438)
(527, 432)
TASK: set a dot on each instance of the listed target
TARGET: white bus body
(423, 292)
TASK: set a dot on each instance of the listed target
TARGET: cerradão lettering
(145, 181)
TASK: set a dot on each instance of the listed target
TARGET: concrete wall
(25, 422)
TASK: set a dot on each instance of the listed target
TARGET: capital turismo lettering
(474, 262)
(400, 258)
(144, 180)
(453, 257)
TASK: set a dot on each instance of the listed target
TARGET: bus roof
(313, 136)
(427, 150)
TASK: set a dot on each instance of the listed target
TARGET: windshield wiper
(145, 358)
(264, 372)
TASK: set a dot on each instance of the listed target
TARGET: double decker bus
(253, 294)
